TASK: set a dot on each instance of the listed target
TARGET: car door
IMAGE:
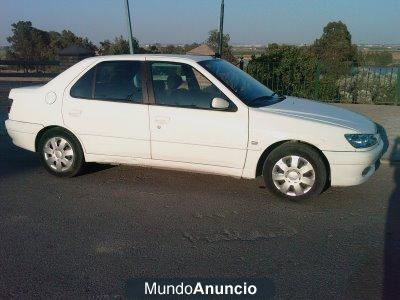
(106, 108)
(184, 127)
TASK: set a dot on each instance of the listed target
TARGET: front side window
(111, 80)
(180, 85)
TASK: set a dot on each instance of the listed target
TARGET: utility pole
(128, 20)
(221, 27)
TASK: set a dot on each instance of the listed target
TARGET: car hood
(324, 113)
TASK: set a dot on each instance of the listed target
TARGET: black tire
(75, 161)
(306, 154)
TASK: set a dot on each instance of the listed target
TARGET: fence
(32, 69)
(343, 83)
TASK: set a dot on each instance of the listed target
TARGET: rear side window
(83, 87)
(111, 81)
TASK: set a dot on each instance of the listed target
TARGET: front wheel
(295, 171)
(60, 153)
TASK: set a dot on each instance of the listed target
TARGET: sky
(255, 22)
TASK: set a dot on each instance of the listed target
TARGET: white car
(191, 113)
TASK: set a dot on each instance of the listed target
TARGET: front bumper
(23, 134)
(353, 168)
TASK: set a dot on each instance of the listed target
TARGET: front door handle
(75, 113)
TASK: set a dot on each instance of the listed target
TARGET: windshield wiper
(279, 96)
(266, 97)
(260, 100)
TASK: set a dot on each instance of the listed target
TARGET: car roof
(193, 58)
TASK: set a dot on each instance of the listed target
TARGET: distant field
(247, 52)
(380, 48)
(396, 57)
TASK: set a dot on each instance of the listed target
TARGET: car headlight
(359, 141)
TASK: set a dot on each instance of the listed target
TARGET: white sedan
(191, 113)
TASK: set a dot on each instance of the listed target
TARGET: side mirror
(219, 103)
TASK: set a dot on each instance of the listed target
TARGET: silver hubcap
(58, 154)
(293, 175)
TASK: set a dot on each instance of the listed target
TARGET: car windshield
(249, 90)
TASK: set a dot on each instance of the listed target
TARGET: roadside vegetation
(331, 69)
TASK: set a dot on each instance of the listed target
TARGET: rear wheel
(61, 153)
(295, 171)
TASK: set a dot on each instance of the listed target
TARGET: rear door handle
(75, 113)
(162, 120)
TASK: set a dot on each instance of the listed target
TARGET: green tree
(336, 55)
(335, 44)
(334, 49)
(119, 46)
(172, 49)
(27, 43)
(213, 42)
(154, 49)
(68, 38)
(285, 69)
(65, 39)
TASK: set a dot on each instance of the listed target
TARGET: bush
(295, 71)
(368, 87)
(288, 70)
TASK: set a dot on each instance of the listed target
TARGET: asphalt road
(88, 235)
